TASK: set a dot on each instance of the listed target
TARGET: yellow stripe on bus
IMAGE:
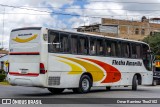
(96, 72)
(75, 68)
(25, 40)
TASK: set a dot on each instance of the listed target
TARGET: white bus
(59, 60)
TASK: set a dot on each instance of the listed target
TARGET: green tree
(154, 42)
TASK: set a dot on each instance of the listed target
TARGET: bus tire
(154, 83)
(85, 84)
(134, 83)
(56, 90)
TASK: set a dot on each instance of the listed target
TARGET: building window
(143, 32)
(136, 31)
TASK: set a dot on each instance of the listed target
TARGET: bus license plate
(24, 71)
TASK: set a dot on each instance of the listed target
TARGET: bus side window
(64, 45)
(113, 49)
(138, 49)
(125, 50)
(92, 46)
(134, 51)
(108, 48)
(118, 49)
(54, 45)
(100, 47)
(147, 58)
(83, 45)
(74, 44)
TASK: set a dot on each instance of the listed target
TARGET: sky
(69, 14)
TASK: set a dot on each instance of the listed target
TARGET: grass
(4, 83)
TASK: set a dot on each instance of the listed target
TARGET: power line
(4, 5)
(31, 8)
(107, 9)
(96, 16)
(3, 27)
(59, 13)
(119, 2)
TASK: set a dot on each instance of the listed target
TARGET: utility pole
(3, 27)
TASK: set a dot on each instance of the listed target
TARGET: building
(128, 29)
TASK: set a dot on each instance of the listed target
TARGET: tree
(154, 42)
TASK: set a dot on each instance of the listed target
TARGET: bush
(2, 71)
(2, 77)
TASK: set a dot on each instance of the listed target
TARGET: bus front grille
(54, 81)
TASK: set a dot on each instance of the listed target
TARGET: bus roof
(100, 36)
(27, 28)
(81, 33)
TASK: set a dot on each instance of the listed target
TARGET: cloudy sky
(69, 14)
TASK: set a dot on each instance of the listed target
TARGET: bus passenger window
(134, 52)
(54, 44)
(118, 49)
(83, 45)
(100, 47)
(64, 46)
(93, 46)
(138, 49)
(108, 48)
(147, 58)
(113, 49)
(74, 45)
(125, 50)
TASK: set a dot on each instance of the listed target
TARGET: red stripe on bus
(113, 74)
(24, 53)
(19, 74)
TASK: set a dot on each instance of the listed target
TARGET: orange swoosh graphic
(95, 71)
(113, 74)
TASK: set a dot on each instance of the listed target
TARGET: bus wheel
(154, 83)
(108, 88)
(56, 90)
(134, 83)
(85, 84)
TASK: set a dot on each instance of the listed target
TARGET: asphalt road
(115, 92)
(96, 92)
